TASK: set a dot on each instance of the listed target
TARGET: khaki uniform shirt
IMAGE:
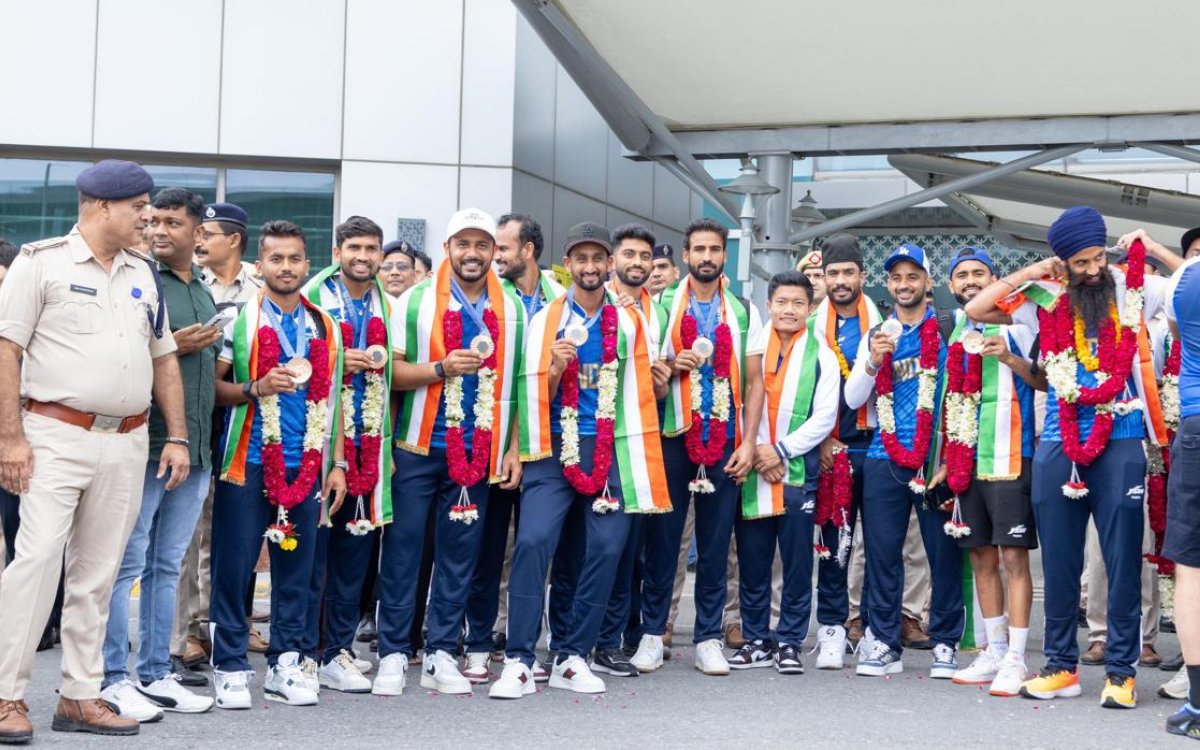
(86, 332)
(243, 289)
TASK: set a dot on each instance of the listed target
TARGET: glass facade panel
(303, 197)
(38, 198)
(200, 180)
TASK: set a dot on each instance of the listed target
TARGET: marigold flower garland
(915, 457)
(278, 491)
(835, 491)
(463, 471)
(1115, 355)
(363, 474)
(964, 385)
(1158, 460)
(706, 455)
(595, 483)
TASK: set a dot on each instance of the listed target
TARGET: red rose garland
(464, 472)
(964, 377)
(699, 452)
(911, 458)
(363, 473)
(835, 492)
(1158, 468)
(602, 456)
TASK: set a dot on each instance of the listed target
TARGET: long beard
(1092, 300)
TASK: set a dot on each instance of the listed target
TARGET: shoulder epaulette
(32, 247)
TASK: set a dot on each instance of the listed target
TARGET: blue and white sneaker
(878, 659)
(945, 662)
(1185, 722)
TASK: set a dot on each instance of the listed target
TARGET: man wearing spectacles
(396, 272)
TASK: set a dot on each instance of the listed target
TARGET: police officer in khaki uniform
(84, 336)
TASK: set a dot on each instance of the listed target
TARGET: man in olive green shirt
(168, 517)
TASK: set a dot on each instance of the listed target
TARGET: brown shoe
(854, 630)
(196, 652)
(258, 644)
(733, 636)
(913, 635)
(1150, 657)
(1094, 654)
(14, 723)
(93, 716)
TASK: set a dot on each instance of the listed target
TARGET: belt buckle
(102, 423)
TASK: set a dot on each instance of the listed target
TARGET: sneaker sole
(751, 665)
(63, 724)
(503, 695)
(1114, 703)
(646, 670)
(1168, 694)
(712, 672)
(560, 684)
(942, 673)
(615, 673)
(281, 698)
(386, 691)
(1071, 691)
(366, 689)
(430, 683)
(789, 670)
(839, 664)
(1003, 694)
(478, 679)
(972, 681)
(862, 671)
(232, 707)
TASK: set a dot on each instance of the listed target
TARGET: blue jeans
(155, 549)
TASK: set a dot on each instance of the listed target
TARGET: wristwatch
(179, 441)
(247, 388)
(439, 370)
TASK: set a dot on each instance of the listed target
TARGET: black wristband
(247, 388)
(440, 370)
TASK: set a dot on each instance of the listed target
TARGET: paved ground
(674, 707)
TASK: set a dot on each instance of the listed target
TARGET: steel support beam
(1179, 152)
(962, 184)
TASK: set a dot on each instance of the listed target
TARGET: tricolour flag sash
(551, 289)
(998, 447)
(825, 322)
(637, 444)
(677, 416)
(417, 333)
(319, 293)
(789, 399)
(245, 370)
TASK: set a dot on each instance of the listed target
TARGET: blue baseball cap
(970, 252)
(910, 253)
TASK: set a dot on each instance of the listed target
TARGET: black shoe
(1081, 622)
(50, 636)
(1173, 664)
(1166, 624)
(374, 645)
(787, 660)
(499, 643)
(1184, 722)
(752, 654)
(187, 677)
(366, 629)
(614, 662)
(629, 649)
(548, 665)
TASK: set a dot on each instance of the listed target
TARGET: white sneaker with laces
(573, 673)
(540, 674)
(476, 671)
(233, 689)
(1177, 687)
(169, 694)
(831, 647)
(312, 679)
(130, 703)
(516, 681)
(945, 662)
(440, 672)
(1010, 676)
(710, 658)
(342, 674)
(393, 669)
(286, 682)
(649, 656)
(982, 671)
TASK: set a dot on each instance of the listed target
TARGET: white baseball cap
(471, 218)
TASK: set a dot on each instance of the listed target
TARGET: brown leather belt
(86, 420)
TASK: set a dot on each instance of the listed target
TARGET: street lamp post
(750, 185)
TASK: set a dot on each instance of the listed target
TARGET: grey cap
(588, 231)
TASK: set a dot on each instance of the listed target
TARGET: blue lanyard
(535, 301)
(588, 322)
(289, 350)
(706, 323)
(354, 315)
(473, 309)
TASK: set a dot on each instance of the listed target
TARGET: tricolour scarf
(824, 322)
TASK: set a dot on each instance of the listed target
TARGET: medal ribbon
(289, 350)
(588, 322)
(356, 316)
(706, 323)
(473, 309)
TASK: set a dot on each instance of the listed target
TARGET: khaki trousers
(502, 613)
(191, 599)
(917, 583)
(1097, 585)
(689, 530)
(84, 497)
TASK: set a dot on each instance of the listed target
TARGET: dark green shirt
(189, 303)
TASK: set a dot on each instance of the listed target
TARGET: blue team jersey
(1183, 306)
(590, 357)
(905, 369)
(292, 406)
(362, 313)
(1125, 426)
(706, 369)
(470, 386)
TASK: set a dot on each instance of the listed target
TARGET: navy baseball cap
(911, 253)
(970, 252)
(230, 212)
(588, 231)
(114, 179)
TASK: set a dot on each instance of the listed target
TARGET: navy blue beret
(398, 246)
(663, 251)
(113, 179)
(230, 212)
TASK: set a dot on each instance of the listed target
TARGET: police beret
(664, 251)
(398, 246)
(230, 212)
(113, 179)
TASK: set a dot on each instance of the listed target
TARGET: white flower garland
(1062, 369)
(316, 413)
(373, 406)
(1171, 408)
(721, 405)
(885, 413)
(962, 418)
(606, 408)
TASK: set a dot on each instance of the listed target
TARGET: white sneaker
(1177, 687)
(573, 673)
(233, 689)
(393, 668)
(476, 671)
(1012, 673)
(540, 673)
(649, 656)
(170, 695)
(364, 666)
(710, 658)
(982, 671)
(130, 703)
(515, 681)
(286, 682)
(310, 668)
(945, 662)
(343, 675)
(831, 647)
(440, 672)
